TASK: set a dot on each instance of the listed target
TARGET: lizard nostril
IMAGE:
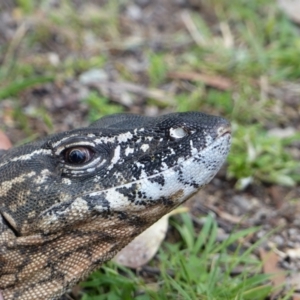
(222, 130)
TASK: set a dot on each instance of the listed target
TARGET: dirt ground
(267, 205)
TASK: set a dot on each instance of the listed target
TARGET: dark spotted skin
(71, 201)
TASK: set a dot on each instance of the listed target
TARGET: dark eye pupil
(77, 156)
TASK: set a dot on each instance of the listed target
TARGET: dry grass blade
(270, 261)
(217, 82)
(117, 90)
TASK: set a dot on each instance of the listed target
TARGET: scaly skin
(71, 201)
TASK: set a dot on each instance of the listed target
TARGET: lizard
(70, 201)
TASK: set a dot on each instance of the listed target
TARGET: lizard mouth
(189, 176)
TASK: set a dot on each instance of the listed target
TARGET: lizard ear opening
(2, 151)
(179, 132)
(9, 222)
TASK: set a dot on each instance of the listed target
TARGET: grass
(250, 43)
(262, 157)
(199, 267)
(100, 106)
(16, 87)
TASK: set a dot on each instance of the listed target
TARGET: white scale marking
(145, 147)
(129, 150)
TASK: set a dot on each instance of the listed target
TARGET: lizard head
(121, 163)
(92, 190)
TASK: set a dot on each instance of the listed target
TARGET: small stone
(243, 203)
(292, 232)
(278, 240)
(93, 76)
(134, 12)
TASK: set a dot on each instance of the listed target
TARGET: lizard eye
(78, 155)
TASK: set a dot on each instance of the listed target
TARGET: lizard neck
(74, 256)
